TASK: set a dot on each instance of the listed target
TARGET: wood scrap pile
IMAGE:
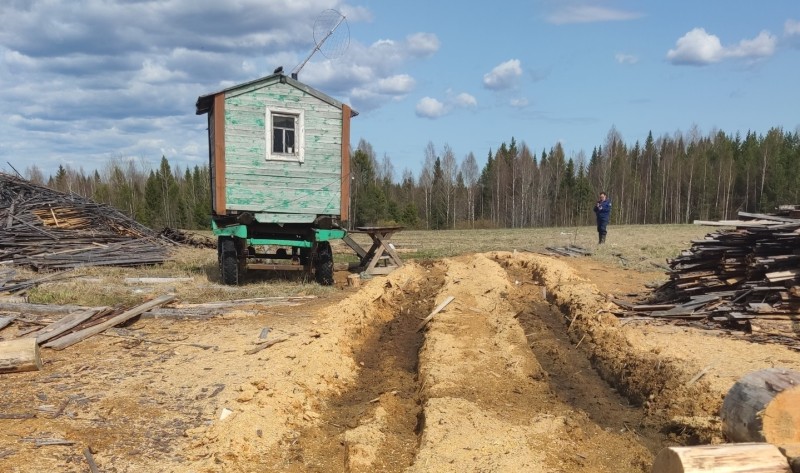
(188, 238)
(46, 229)
(569, 250)
(62, 332)
(734, 276)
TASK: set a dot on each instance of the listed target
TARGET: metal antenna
(325, 26)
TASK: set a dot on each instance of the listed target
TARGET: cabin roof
(204, 102)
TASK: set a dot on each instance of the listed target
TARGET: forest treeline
(674, 178)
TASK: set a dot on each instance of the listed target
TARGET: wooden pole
(726, 458)
(763, 406)
(21, 354)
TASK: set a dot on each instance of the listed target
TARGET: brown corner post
(219, 155)
(345, 199)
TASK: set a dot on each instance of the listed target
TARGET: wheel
(323, 264)
(228, 261)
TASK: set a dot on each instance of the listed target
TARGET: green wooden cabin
(280, 164)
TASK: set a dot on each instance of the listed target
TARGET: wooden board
(76, 337)
(64, 324)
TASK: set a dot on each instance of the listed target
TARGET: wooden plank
(264, 345)
(5, 321)
(774, 218)
(360, 251)
(76, 337)
(156, 280)
(438, 309)
(65, 324)
(87, 452)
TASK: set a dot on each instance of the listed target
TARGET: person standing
(602, 211)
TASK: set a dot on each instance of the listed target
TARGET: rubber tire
(323, 264)
(228, 261)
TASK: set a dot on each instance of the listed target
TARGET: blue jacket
(603, 211)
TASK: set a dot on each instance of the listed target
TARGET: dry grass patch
(639, 245)
(95, 286)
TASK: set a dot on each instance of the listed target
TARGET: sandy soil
(524, 370)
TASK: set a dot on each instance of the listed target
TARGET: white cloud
(520, 102)
(465, 100)
(71, 67)
(791, 28)
(696, 47)
(623, 58)
(422, 44)
(503, 76)
(396, 85)
(369, 74)
(699, 48)
(762, 45)
(589, 14)
(429, 107)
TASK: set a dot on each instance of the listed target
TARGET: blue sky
(84, 82)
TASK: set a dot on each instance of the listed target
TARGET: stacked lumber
(45, 229)
(734, 276)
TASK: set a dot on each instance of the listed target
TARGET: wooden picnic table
(381, 250)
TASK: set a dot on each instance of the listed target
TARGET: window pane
(277, 140)
(282, 121)
(290, 142)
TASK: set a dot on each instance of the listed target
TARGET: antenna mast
(324, 28)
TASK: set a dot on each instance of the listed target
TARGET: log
(763, 406)
(21, 354)
(76, 337)
(726, 458)
(792, 454)
(354, 280)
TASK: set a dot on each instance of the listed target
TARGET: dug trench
(494, 384)
(499, 380)
(374, 424)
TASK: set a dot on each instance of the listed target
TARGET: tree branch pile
(45, 229)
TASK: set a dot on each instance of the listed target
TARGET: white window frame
(298, 156)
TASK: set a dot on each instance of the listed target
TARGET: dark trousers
(601, 230)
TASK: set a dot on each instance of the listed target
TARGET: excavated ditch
(374, 425)
(572, 377)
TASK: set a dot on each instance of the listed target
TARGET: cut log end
(728, 458)
(763, 406)
(20, 355)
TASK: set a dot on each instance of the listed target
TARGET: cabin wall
(254, 183)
